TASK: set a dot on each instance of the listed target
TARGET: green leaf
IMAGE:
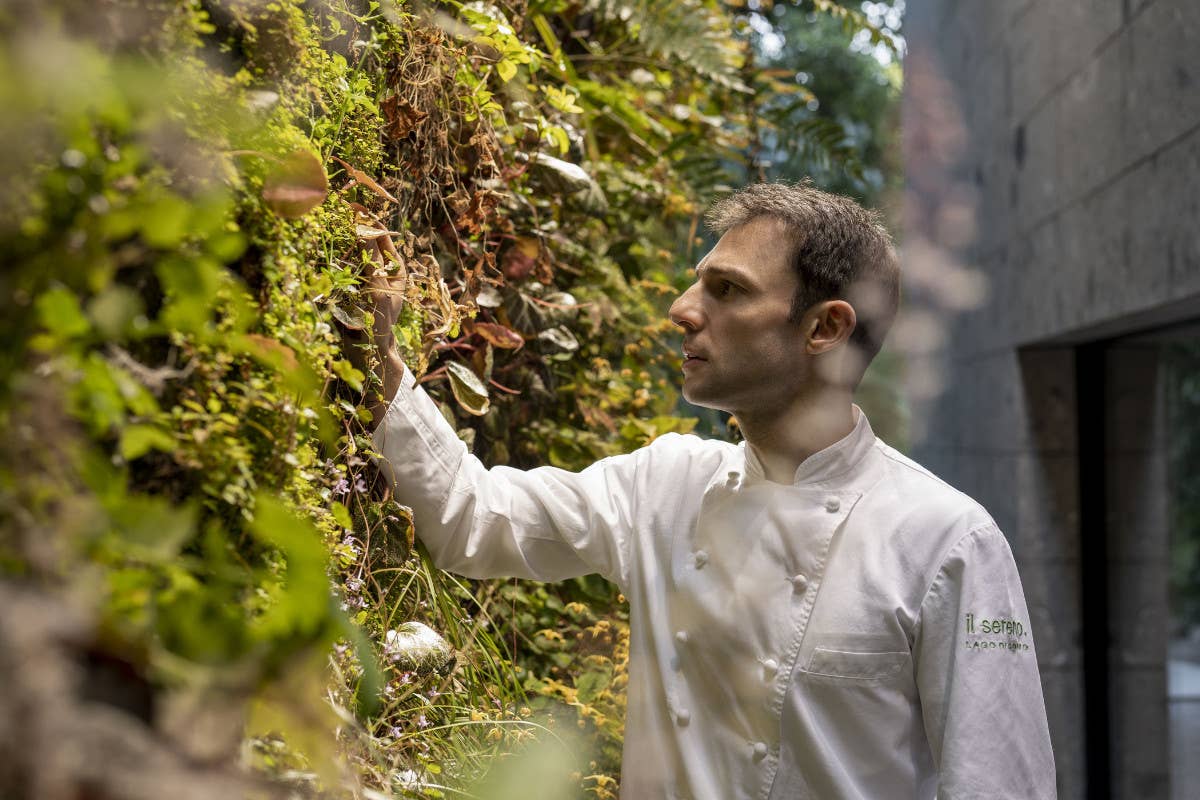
(114, 310)
(150, 528)
(302, 605)
(137, 440)
(347, 372)
(469, 391)
(164, 221)
(592, 683)
(60, 313)
(341, 515)
(559, 137)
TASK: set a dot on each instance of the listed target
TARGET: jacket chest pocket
(852, 666)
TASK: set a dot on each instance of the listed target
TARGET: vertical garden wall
(201, 567)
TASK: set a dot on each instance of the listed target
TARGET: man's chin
(698, 397)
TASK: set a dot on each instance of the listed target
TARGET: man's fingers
(386, 287)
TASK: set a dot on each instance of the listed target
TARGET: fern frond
(691, 33)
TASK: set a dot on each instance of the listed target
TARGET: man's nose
(685, 311)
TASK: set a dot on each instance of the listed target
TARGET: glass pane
(1183, 665)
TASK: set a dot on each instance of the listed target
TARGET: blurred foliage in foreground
(201, 570)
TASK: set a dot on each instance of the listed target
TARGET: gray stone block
(1031, 44)
(1052, 594)
(1035, 143)
(1092, 117)
(1047, 508)
(1162, 86)
(1049, 398)
(1139, 735)
(1063, 692)
(1081, 29)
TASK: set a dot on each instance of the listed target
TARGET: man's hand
(385, 293)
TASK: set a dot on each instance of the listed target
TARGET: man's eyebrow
(718, 271)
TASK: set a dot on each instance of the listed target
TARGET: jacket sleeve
(977, 676)
(544, 524)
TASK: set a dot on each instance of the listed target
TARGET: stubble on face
(737, 318)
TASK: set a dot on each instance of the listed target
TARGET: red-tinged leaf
(520, 259)
(499, 335)
(366, 180)
(296, 185)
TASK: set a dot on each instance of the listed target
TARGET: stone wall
(1053, 200)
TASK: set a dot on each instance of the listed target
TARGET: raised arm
(546, 523)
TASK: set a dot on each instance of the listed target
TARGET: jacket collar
(828, 464)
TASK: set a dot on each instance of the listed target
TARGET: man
(812, 614)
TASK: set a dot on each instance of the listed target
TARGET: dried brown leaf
(366, 180)
(498, 335)
(296, 185)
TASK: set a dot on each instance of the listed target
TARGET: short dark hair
(838, 249)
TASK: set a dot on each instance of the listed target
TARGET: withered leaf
(296, 185)
(368, 232)
(366, 180)
(273, 350)
(499, 335)
(401, 116)
(352, 319)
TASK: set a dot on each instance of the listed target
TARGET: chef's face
(742, 353)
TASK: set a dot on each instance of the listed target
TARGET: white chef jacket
(861, 633)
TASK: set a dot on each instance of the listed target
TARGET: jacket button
(760, 751)
(681, 637)
(701, 558)
(799, 582)
(683, 717)
(832, 505)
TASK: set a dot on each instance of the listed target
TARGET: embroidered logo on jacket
(999, 633)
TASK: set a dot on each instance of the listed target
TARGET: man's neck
(783, 439)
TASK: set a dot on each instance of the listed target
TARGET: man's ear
(829, 324)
